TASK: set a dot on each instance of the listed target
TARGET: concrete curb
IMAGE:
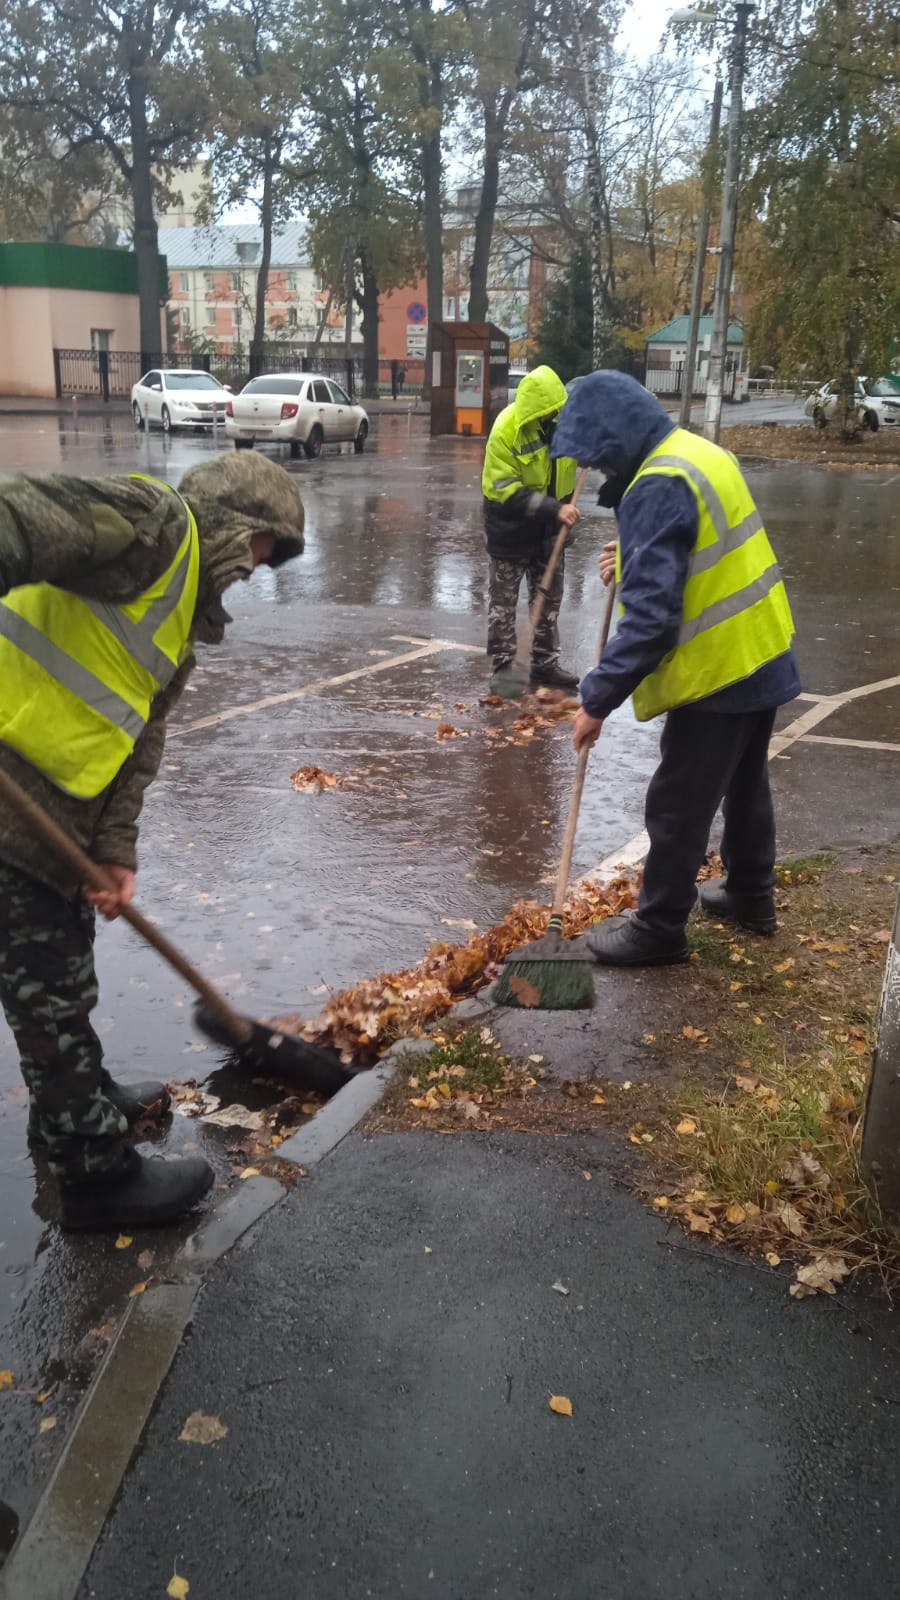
(54, 1550)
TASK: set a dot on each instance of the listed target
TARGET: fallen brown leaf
(526, 993)
(561, 1404)
(823, 1274)
(138, 1289)
(7, 1379)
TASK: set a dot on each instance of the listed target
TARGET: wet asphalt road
(280, 894)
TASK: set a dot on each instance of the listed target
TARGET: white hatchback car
(176, 398)
(301, 409)
(877, 403)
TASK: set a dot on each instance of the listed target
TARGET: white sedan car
(176, 398)
(877, 403)
(301, 409)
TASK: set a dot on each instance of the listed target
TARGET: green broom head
(546, 976)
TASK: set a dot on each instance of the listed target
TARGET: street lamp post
(690, 360)
(721, 313)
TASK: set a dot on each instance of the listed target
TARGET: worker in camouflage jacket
(106, 585)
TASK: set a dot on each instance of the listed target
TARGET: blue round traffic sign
(416, 312)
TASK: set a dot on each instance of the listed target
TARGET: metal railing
(111, 374)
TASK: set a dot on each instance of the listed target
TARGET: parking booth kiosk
(469, 377)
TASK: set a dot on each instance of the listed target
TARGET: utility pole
(718, 351)
(709, 179)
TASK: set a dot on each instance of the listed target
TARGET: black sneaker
(141, 1194)
(134, 1100)
(754, 912)
(553, 676)
(625, 942)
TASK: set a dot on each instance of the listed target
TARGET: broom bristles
(546, 985)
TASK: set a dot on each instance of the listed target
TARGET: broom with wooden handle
(549, 974)
(285, 1056)
(512, 681)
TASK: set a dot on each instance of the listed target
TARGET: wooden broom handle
(87, 871)
(523, 653)
(565, 865)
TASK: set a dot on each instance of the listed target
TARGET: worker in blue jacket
(704, 636)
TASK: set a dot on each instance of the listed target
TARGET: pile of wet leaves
(361, 1021)
(252, 1137)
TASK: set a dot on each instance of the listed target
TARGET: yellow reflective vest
(78, 676)
(735, 614)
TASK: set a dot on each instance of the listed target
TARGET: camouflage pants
(505, 583)
(48, 989)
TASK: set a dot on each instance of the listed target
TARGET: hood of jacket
(612, 422)
(233, 497)
(540, 394)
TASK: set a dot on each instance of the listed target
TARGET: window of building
(292, 316)
(183, 283)
(208, 282)
(236, 282)
(185, 317)
(100, 338)
(210, 316)
(292, 282)
(236, 315)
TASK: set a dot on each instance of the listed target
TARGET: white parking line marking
(853, 744)
(433, 647)
(633, 852)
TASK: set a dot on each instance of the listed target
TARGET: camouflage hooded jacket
(109, 539)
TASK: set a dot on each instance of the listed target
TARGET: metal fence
(670, 380)
(112, 374)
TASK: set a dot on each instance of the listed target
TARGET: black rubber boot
(553, 676)
(755, 912)
(134, 1100)
(142, 1194)
(625, 942)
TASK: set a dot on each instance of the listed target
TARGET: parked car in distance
(177, 398)
(300, 409)
(877, 403)
(516, 374)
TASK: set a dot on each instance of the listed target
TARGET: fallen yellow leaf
(47, 1424)
(6, 1379)
(45, 1396)
(123, 1241)
(138, 1289)
(785, 966)
(697, 1223)
(662, 1202)
(735, 1213)
(178, 1588)
(586, 1176)
(686, 1125)
(598, 1100)
(308, 1108)
(772, 1187)
(249, 1172)
(773, 1259)
(200, 1429)
(649, 1038)
(734, 987)
(561, 1405)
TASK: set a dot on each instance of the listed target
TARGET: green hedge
(70, 266)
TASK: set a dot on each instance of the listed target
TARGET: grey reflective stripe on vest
(532, 448)
(69, 672)
(728, 539)
(722, 610)
(137, 637)
(504, 483)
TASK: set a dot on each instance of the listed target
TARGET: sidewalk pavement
(382, 1350)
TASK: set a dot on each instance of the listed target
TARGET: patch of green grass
(484, 1064)
(710, 943)
(802, 869)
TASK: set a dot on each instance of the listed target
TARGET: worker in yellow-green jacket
(704, 637)
(526, 501)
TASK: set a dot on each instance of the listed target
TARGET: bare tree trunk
(313, 349)
(146, 238)
(484, 220)
(262, 277)
(602, 270)
(432, 176)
